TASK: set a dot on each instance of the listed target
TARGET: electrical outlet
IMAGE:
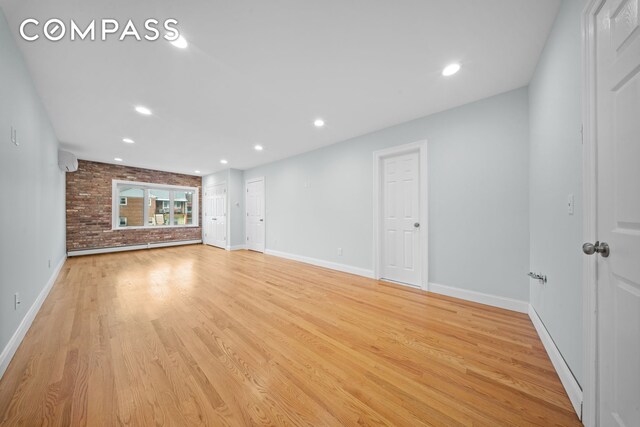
(16, 300)
(339, 251)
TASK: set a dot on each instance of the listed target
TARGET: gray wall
(32, 220)
(556, 171)
(478, 168)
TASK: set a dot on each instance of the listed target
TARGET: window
(159, 214)
(183, 208)
(132, 212)
(139, 204)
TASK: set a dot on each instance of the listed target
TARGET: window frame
(146, 186)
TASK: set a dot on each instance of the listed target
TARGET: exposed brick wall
(134, 211)
(89, 207)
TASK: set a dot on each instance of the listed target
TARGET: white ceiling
(261, 72)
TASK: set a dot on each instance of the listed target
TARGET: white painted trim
(228, 206)
(589, 230)
(264, 213)
(378, 156)
(236, 247)
(153, 227)
(150, 245)
(15, 341)
(480, 297)
(322, 263)
(569, 382)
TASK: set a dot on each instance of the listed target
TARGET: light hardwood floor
(199, 336)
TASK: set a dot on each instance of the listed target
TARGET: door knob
(261, 220)
(416, 224)
(601, 248)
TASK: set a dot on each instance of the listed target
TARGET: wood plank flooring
(195, 335)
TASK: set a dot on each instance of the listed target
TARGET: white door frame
(378, 157)
(589, 184)
(264, 208)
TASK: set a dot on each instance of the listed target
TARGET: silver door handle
(214, 219)
(601, 248)
(261, 220)
(416, 224)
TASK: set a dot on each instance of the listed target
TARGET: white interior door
(215, 227)
(401, 219)
(208, 225)
(618, 211)
(255, 226)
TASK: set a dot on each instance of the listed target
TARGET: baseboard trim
(150, 245)
(12, 346)
(480, 297)
(322, 263)
(236, 247)
(569, 382)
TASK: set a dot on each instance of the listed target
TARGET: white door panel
(255, 225)
(618, 211)
(208, 213)
(215, 217)
(401, 218)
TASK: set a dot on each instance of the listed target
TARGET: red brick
(89, 207)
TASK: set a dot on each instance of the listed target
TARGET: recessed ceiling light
(318, 123)
(197, 171)
(180, 42)
(451, 69)
(117, 159)
(128, 140)
(258, 147)
(224, 162)
(143, 110)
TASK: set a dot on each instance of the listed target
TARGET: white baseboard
(236, 247)
(13, 344)
(569, 382)
(479, 297)
(132, 247)
(322, 263)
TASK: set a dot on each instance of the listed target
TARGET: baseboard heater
(149, 245)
